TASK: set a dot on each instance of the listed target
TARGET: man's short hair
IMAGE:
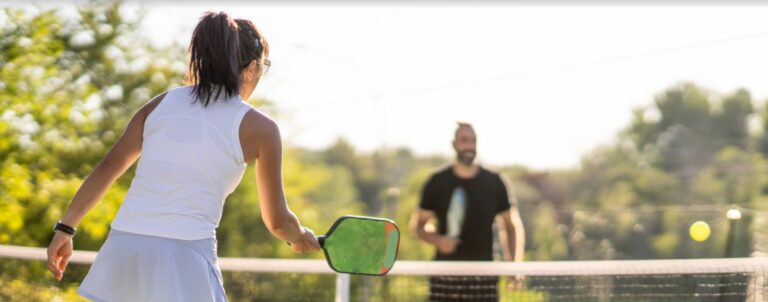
(460, 124)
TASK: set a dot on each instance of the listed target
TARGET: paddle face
(362, 245)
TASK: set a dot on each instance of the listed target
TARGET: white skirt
(132, 267)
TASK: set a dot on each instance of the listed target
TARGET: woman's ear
(253, 68)
(250, 70)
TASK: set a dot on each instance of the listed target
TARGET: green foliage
(689, 157)
(693, 162)
(70, 86)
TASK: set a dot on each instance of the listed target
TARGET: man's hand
(447, 245)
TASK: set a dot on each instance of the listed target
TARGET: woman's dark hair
(220, 48)
(253, 46)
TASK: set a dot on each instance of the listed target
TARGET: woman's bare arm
(261, 142)
(122, 155)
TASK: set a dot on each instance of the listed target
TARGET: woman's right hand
(59, 252)
(306, 242)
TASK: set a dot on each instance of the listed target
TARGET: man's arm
(512, 234)
(445, 245)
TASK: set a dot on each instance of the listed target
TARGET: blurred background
(619, 126)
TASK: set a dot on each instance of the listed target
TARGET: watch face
(64, 228)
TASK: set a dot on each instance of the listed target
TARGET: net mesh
(733, 279)
(675, 287)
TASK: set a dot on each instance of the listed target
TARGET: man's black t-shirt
(486, 196)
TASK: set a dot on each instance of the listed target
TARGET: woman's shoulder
(256, 122)
(254, 115)
(259, 135)
(150, 106)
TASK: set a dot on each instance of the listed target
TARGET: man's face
(465, 145)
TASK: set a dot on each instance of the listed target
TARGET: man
(465, 199)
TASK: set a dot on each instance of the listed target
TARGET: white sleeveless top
(191, 160)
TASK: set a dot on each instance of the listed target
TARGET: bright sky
(543, 85)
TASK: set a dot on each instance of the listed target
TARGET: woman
(195, 143)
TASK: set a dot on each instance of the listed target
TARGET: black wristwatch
(64, 228)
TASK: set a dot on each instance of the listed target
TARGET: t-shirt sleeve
(428, 195)
(505, 198)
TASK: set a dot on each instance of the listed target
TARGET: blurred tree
(731, 124)
(691, 128)
(375, 174)
(69, 87)
(695, 154)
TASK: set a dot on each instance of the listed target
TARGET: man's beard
(466, 157)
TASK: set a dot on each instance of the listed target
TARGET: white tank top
(191, 160)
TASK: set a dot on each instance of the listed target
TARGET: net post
(342, 287)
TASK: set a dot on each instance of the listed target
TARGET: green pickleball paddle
(361, 245)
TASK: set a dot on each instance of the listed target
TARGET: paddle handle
(320, 240)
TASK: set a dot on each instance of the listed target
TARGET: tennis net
(249, 279)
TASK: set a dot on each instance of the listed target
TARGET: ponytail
(214, 63)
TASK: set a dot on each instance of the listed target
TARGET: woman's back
(162, 246)
(191, 161)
